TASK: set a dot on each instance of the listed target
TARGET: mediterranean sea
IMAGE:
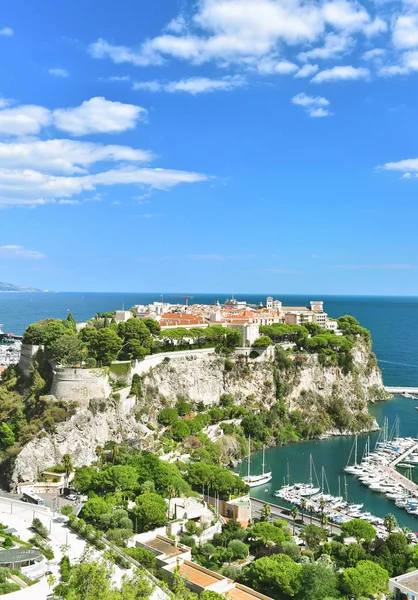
(393, 322)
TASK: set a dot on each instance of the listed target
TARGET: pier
(401, 479)
(401, 457)
(401, 390)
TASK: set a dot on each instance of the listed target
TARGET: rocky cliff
(203, 377)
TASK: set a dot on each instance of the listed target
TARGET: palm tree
(390, 523)
(324, 519)
(303, 504)
(99, 453)
(68, 467)
(265, 512)
(115, 452)
(294, 512)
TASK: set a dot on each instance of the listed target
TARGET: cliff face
(203, 377)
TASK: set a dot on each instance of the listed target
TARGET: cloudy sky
(260, 145)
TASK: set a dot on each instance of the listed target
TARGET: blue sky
(260, 145)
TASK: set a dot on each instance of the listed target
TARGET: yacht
(256, 480)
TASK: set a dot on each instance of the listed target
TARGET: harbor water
(333, 454)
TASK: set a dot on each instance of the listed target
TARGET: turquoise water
(393, 323)
(333, 454)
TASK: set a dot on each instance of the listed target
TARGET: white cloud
(193, 85)
(122, 54)
(374, 54)
(177, 25)
(6, 31)
(405, 31)
(65, 156)
(32, 188)
(345, 73)
(315, 106)
(409, 164)
(69, 202)
(244, 30)
(116, 78)
(408, 64)
(98, 115)
(14, 251)
(307, 71)
(335, 45)
(24, 120)
(58, 72)
(271, 66)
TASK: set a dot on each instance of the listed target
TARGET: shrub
(65, 568)
(39, 527)
(143, 556)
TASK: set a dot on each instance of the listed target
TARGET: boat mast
(288, 472)
(339, 486)
(310, 469)
(355, 451)
(264, 453)
(345, 488)
(249, 456)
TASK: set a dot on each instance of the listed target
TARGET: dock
(402, 480)
(401, 457)
(401, 390)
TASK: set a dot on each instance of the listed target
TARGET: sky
(254, 145)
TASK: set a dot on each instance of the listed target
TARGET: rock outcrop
(203, 377)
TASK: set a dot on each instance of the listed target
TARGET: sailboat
(255, 480)
(355, 469)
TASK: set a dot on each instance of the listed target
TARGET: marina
(291, 464)
(10, 347)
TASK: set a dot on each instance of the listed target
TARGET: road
(280, 512)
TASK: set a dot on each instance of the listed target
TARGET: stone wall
(27, 357)
(80, 384)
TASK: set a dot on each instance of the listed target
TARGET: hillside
(10, 287)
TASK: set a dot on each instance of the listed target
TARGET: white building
(249, 331)
(122, 316)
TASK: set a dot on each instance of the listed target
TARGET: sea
(393, 322)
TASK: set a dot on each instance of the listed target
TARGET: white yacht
(256, 480)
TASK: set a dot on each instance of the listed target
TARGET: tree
(168, 416)
(133, 350)
(68, 350)
(85, 479)
(106, 346)
(91, 580)
(95, 508)
(65, 567)
(323, 519)
(68, 467)
(317, 581)
(150, 511)
(115, 452)
(365, 579)
(7, 437)
(265, 512)
(314, 536)
(99, 453)
(153, 326)
(183, 407)
(390, 523)
(278, 574)
(262, 342)
(294, 512)
(180, 431)
(238, 549)
(303, 505)
(72, 322)
(359, 529)
(135, 329)
(266, 534)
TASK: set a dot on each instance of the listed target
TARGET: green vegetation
(92, 580)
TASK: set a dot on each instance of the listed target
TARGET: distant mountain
(9, 287)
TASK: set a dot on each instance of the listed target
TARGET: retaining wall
(80, 384)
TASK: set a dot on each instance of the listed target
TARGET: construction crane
(187, 298)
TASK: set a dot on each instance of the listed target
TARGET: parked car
(71, 497)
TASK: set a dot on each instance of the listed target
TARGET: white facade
(249, 331)
(269, 302)
(122, 316)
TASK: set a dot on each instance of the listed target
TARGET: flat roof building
(405, 587)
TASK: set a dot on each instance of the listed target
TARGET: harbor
(10, 347)
(292, 462)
